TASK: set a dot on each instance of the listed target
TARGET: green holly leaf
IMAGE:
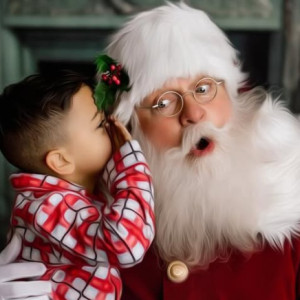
(111, 79)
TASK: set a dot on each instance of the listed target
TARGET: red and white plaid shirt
(82, 238)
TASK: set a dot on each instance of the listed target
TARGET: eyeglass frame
(181, 95)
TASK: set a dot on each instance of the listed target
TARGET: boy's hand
(117, 132)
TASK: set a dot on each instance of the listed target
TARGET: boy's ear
(60, 162)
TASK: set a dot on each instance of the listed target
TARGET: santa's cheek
(166, 140)
(164, 133)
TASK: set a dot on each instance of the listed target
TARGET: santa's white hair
(240, 196)
(167, 42)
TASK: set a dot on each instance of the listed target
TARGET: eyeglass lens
(170, 103)
(205, 90)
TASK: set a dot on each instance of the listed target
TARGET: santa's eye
(203, 89)
(169, 103)
(162, 103)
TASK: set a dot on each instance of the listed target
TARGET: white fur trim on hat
(167, 42)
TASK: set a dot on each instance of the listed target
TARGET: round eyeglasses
(170, 103)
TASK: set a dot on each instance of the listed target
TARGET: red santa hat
(172, 41)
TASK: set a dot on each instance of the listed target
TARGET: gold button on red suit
(177, 271)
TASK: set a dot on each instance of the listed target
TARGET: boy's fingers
(124, 133)
(118, 132)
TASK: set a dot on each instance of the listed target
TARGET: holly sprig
(112, 79)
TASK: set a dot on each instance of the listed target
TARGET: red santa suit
(265, 275)
(82, 238)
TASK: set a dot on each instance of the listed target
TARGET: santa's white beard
(233, 198)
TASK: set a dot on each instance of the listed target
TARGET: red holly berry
(115, 80)
(104, 77)
(112, 67)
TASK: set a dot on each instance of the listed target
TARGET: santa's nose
(192, 112)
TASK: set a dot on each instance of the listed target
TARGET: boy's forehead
(85, 93)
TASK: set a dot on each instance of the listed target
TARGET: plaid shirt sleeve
(128, 224)
(119, 232)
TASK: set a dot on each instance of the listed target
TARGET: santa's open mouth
(202, 144)
(202, 147)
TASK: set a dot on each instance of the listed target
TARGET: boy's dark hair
(30, 116)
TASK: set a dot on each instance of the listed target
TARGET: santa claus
(225, 165)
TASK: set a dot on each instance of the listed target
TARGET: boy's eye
(101, 123)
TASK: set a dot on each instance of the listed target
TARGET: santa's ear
(60, 162)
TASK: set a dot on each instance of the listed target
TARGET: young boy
(51, 129)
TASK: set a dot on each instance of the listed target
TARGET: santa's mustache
(200, 136)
